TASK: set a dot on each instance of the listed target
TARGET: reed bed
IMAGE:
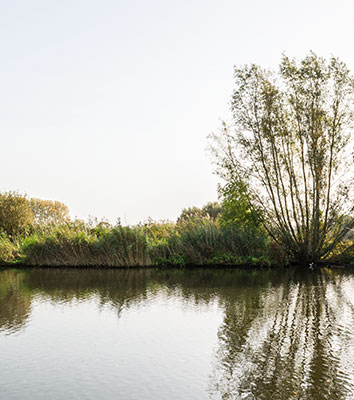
(198, 242)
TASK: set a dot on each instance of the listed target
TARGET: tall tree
(289, 148)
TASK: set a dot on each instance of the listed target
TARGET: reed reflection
(119, 289)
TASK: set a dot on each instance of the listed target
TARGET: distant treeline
(40, 233)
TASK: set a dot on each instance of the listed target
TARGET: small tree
(236, 209)
(211, 210)
(49, 212)
(290, 149)
(16, 215)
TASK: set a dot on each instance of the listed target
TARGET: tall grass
(205, 242)
(80, 246)
(198, 241)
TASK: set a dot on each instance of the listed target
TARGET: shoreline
(245, 266)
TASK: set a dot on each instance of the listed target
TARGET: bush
(8, 250)
(16, 216)
(211, 210)
(47, 212)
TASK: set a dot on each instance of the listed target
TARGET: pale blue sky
(107, 105)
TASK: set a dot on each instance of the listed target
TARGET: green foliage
(78, 245)
(158, 233)
(211, 210)
(343, 253)
(198, 238)
(201, 242)
(16, 216)
(47, 212)
(290, 145)
(8, 250)
(237, 210)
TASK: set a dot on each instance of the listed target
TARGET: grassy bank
(34, 232)
(199, 242)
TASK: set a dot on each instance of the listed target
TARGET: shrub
(49, 212)
(16, 216)
(8, 250)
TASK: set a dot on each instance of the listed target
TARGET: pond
(169, 334)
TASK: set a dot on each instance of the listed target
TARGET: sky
(107, 105)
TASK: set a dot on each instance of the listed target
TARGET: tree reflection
(285, 334)
(119, 289)
(292, 341)
(15, 302)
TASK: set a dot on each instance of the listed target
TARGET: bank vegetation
(286, 164)
(35, 232)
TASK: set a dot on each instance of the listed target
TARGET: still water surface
(176, 334)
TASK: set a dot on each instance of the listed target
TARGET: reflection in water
(15, 302)
(293, 341)
(285, 334)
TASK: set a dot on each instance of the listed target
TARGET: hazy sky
(106, 105)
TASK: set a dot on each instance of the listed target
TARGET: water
(174, 334)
